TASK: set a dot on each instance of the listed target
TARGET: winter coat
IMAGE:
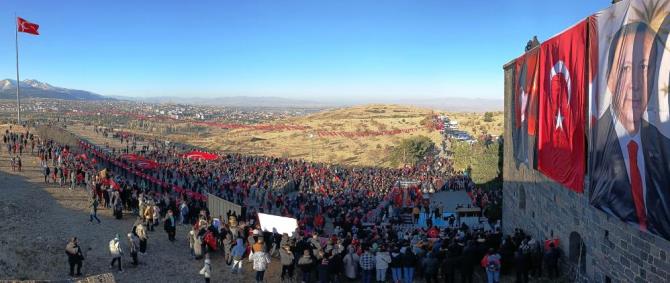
(238, 249)
(306, 263)
(115, 248)
(409, 259)
(396, 260)
(141, 231)
(133, 244)
(350, 262)
(73, 252)
(430, 265)
(286, 257)
(382, 260)
(260, 260)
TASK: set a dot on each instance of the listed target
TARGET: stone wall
(613, 249)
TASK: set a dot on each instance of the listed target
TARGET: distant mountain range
(37, 89)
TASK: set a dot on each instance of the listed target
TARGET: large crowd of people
(348, 217)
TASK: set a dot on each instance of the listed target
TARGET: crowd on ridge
(358, 245)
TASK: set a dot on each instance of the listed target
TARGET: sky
(311, 50)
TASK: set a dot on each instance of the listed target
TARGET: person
(396, 265)
(74, 256)
(469, 258)
(367, 263)
(416, 211)
(141, 232)
(521, 266)
(183, 213)
(238, 255)
(382, 260)
(306, 265)
(430, 266)
(630, 173)
(198, 245)
(116, 252)
(287, 259)
(73, 179)
(350, 263)
(551, 257)
(170, 226)
(408, 264)
(133, 245)
(94, 210)
(491, 262)
(535, 258)
(322, 269)
(260, 260)
(47, 171)
(206, 270)
(149, 216)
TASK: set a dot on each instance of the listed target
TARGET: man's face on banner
(632, 72)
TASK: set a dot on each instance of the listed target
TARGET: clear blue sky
(297, 49)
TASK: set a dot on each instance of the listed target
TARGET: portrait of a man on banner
(630, 157)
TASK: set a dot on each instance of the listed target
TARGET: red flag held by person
(27, 27)
(561, 119)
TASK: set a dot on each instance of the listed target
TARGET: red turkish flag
(561, 116)
(27, 27)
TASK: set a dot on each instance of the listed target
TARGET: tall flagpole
(18, 100)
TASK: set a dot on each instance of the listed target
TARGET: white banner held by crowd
(280, 224)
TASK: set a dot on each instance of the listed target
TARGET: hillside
(360, 135)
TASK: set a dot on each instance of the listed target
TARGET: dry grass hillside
(360, 135)
(330, 136)
(475, 123)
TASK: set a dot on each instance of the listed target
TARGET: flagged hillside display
(594, 99)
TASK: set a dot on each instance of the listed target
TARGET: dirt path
(37, 219)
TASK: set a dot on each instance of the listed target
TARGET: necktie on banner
(561, 123)
(636, 185)
(27, 27)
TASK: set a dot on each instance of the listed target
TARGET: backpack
(210, 240)
(493, 264)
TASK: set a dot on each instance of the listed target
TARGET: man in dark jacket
(430, 267)
(468, 260)
(551, 258)
(170, 226)
(521, 265)
(74, 256)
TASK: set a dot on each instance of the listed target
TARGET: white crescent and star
(561, 68)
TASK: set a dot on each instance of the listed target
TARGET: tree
(411, 150)
(488, 117)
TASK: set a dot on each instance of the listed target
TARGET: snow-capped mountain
(37, 89)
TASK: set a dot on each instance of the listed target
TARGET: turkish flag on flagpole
(26, 26)
(561, 116)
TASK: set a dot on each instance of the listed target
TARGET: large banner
(278, 224)
(222, 208)
(561, 135)
(526, 81)
(630, 148)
